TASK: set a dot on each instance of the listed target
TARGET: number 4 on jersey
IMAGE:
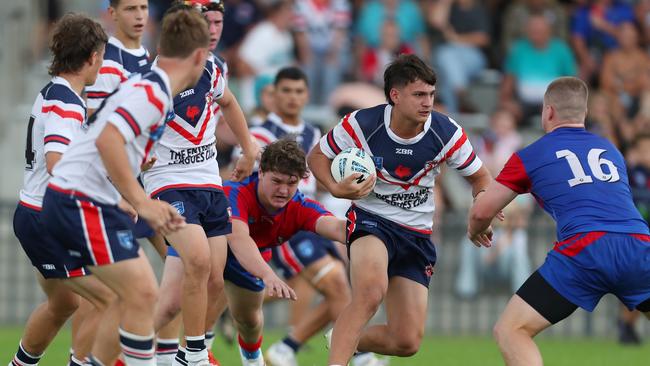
(596, 164)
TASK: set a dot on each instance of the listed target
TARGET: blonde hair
(569, 96)
(183, 31)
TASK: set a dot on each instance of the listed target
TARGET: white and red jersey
(118, 64)
(406, 168)
(139, 109)
(304, 134)
(57, 116)
(186, 152)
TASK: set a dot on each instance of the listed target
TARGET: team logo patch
(428, 270)
(369, 223)
(379, 162)
(306, 248)
(125, 237)
(179, 206)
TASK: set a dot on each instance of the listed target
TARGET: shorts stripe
(641, 237)
(574, 245)
(79, 272)
(95, 233)
(352, 224)
(290, 258)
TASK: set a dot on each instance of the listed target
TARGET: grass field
(434, 351)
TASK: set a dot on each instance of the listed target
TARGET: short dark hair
(285, 157)
(73, 42)
(291, 73)
(404, 70)
(114, 3)
(183, 31)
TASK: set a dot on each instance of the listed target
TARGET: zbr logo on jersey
(125, 237)
(179, 206)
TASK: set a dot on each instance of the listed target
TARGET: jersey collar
(401, 140)
(275, 119)
(137, 52)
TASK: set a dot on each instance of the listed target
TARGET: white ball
(352, 160)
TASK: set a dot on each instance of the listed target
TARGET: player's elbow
(480, 213)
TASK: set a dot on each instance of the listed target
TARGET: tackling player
(80, 206)
(603, 244)
(267, 209)
(57, 116)
(388, 230)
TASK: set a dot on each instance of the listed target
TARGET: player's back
(138, 109)
(581, 180)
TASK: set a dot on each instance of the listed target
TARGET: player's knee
(215, 285)
(248, 319)
(500, 331)
(369, 299)
(198, 266)
(407, 346)
(63, 306)
(143, 296)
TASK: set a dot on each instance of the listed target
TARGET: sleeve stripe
(455, 148)
(113, 71)
(348, 128)
(332, 143)
(130, 120)
(56, 138)
(151, 96)
(468, 162)
(63, 113)
(261, 137)
(97, 95)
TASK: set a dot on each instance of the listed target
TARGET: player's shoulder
(220, 63)
(245, 186)
(366, 117)
(54, 91)
(443, 126)
(113, 53)
(155, 77)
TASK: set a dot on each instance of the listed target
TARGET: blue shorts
(587, 266)
(238, 276)
(300, 251)
(40, 246)
(91, 233)
(411, 254)
(142, 229)
(207, 208)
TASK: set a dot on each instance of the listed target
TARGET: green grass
(434, 351)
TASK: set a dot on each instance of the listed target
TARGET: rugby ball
(352, 160)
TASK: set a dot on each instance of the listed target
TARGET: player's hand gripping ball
(352, 160)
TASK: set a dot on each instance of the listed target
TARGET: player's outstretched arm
(348, 188)
(331, 228)
(160, 215)
(237, 122)
(487, 206)
(249, 256)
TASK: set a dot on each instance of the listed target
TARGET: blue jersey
(578, 178)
